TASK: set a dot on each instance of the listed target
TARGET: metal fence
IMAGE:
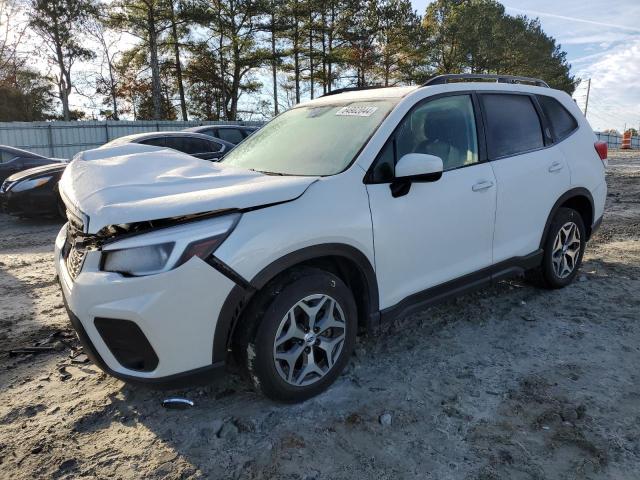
(65, 139)
(614, 141)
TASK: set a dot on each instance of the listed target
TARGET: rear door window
(5, 156)
(177, 143)
(233, 135)
(210, 131)
(562, 122)
(512, 124)
(156, 142)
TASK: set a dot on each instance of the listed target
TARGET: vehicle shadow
(425, 369)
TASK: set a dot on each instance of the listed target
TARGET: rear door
(531, 173)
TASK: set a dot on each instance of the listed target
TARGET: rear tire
(304, 334)
(563, 250)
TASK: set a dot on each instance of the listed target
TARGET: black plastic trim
(127, 343)
(228, 272)
(513, 79)
(574, 192)
(431, 296)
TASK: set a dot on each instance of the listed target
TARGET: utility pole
(586, 104)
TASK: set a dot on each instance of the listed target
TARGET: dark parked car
(34, 192)
(14, 160)
(196, 144)
(231, 133)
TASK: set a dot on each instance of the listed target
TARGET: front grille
(74, 250)
(75, 260)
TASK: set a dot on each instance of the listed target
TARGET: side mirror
(419, 167)
(415, 167)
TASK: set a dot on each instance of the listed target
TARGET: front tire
(563, 249)
(305, 335)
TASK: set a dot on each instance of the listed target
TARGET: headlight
(29, 184)
(138, 260)
(168, 248)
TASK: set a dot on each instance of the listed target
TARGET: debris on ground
(483, 387)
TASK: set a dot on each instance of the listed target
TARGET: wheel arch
(579, 199)
(345, 261)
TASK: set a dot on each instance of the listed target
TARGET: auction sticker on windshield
(356, 111)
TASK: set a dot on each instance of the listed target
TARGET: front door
(438, 231)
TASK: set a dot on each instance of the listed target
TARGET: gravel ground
(511, 382)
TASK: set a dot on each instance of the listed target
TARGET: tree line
(234, 59)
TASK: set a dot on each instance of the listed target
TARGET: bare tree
(61, 24)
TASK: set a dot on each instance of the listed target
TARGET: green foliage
(206, 58)
(26, 96)
(477, 36)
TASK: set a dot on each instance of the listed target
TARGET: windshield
(313, 140)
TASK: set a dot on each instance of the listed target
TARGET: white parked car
(341, 213)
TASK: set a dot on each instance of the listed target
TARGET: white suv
(340, 213)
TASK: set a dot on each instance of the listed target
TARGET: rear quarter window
(562, 122)
(512, 124)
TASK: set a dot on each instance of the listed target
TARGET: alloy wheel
(309, 340)
(566, 250)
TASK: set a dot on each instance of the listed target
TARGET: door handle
(482, 185)
(555, 167)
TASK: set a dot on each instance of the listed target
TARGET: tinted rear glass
(561, 120)
(158, 142)
(512, 126)
(232, 135)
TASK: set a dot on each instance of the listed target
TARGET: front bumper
(176, 312)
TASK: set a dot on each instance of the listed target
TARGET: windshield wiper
(270, 173)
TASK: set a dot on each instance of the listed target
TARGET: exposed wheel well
(582, 205)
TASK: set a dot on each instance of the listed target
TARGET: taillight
(601, 148)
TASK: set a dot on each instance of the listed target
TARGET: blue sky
(602, 41)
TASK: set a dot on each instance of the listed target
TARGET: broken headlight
(167, 248)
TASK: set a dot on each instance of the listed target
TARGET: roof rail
(470, 77)
(349, 89)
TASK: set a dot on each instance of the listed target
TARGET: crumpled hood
(157, 183)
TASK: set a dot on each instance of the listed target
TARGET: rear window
(232, 135)
(513, 125)
(156, 142)
(190, 145)
(562, 122)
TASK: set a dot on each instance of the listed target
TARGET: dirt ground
(511, 382)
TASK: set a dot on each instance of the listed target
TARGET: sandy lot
(511, 382)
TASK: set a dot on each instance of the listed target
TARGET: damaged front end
(149, 247)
